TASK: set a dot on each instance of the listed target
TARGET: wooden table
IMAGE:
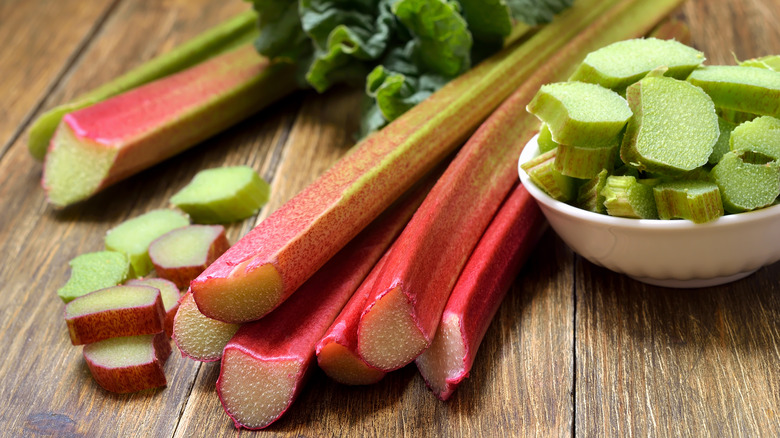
(574, 350)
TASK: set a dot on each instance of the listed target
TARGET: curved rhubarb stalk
(271, 261)
(401, 317)
(99, 145)
(264, 366)
(481, 287)
(240, 29)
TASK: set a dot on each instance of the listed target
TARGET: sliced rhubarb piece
(582, 114)
(115, 311)
(408, 299)
(589, 196)
(481, 287)
(674, 127)
(271, 261)
(761, 135)
(749, 89)
(541, 170)
(182, 254)
(129, 364)
(545, 140)
(170, 297)
(92, 271)
(585, 162)
(625, 196)
(724, 139)
(265, 364)
(620, 64)
(337, 352)
(198, 336)
(697, 201)
(769, 62)
(747, 180)
(133, 236)
(241, 29)
(223, 195)
(99, 145)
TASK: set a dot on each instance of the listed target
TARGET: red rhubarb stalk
(409, 296)
(101, 144)
(274, 259)
(481, 287)
(337, 350)
(264, 366)
(129, 364)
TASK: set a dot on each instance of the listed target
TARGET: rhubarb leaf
(536, 11)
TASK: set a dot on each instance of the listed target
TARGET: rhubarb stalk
(270, 262)
(99, 145)
(408, 299)
(226, 36)
(481, 287)
(265, 364)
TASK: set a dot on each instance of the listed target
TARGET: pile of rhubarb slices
(643, 130)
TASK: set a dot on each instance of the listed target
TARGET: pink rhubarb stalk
(129, 364)
(337, 350)
(481, 287)
(408, 298)
(273, 260)
(264, 366)
(99, 145)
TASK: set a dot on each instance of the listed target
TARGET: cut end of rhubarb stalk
(114, 311)
(442, 364)
(388, 335)
(75, 167)
(255, 392)
(242, 297)
(170, 297)
(345, 367)
(182, 254)
(129, 364)
(198, 336)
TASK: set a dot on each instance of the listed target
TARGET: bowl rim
(531, 150)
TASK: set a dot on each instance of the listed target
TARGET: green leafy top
(403, 50)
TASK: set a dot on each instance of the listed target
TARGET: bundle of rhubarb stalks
(399, 253)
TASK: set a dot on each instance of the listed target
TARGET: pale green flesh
(620, 64)
(674, 129)
(541, 170)
(624, 196)
(590, 197)
(117, 297)
(93, 271)
(722, 145)
(697, 201)
(584, 163)
(187, 246)
(749, 89)
(760, 135)
(746, 186)
(134, 236)
(168, 291)
(75, 168)
(770, 62)
(545, 140)
(581, 114)
(223, 195)
(121, 351)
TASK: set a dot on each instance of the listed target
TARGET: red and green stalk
(416, 281)
(481, 287)
(265, 364)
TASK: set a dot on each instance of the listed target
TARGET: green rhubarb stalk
(541, 170)
(226, 36)
(99, 145)
(697, 201)
(625, 196)
(268, 264)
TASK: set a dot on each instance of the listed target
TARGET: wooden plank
(32, 59)
(46, 386)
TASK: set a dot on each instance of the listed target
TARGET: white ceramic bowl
(671, 253)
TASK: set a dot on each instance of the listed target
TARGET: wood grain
(574, 351)
(34, 59)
